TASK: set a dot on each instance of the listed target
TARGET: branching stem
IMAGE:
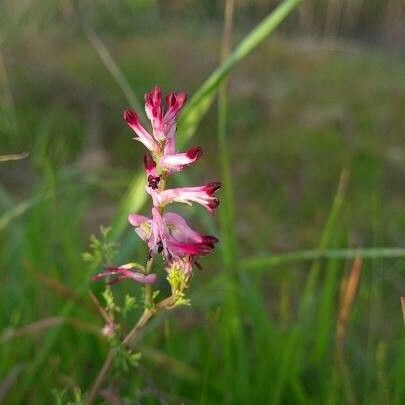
(129, 342)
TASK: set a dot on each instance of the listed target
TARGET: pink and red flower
(179, 161)
(203, 195)
(166, 232)
(171, 234)
(117, 274)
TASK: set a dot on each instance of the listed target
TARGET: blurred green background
(315, 134)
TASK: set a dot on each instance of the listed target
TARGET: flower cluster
(167, 233)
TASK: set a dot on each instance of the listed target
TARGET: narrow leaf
(265, 262)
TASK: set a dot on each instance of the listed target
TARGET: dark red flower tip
(176, 100)
(209, 239)
(181, 99)
(148, 162)
(154, 97)
(210, 188)
(213, 203)
(205, 249)
(131, 117)
(194, 153)
(171, 99)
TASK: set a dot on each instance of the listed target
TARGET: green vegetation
(315, 135)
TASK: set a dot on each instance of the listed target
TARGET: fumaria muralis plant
(166, 233)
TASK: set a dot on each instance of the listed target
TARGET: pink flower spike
(202, 195)
(117, 274)
(150, 168)
(142, 135)
(178, 161)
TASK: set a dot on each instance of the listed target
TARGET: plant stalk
(129, 342)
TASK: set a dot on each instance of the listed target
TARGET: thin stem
(265, 262)
(227, 212)
(129, 342)
(101, 376)
(143, 320)
(148, 287)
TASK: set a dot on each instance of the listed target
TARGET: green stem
(258, 263)
(148, 287)
(226, 214)
(129, 342)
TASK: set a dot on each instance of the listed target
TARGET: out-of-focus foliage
(278, 329)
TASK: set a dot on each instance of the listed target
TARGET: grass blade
(265, 262)
(347, 299)
(204, 96)
(111, 66)
(191, 117)
(199, 104)
(345, 307)
(19, 209)
(226, 213)
(15, 156)
(328, 230)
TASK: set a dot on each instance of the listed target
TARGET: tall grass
(253, 334)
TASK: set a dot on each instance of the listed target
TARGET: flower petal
(154, 112)
(142, 134)
(179, 228)
(175, 102)
(202, 195)
(137, 220)
(178, 161)
(150, 168)
(142, 226)
(118, 274)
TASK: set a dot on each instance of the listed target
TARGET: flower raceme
(167, 233)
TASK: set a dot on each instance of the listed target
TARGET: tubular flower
(166, 233)
(117, 274)
(153, 111)
(203, 195)
(172, 235)
(178, 161)
(151, 172)
(142, 135)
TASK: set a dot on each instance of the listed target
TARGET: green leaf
(265, 262)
